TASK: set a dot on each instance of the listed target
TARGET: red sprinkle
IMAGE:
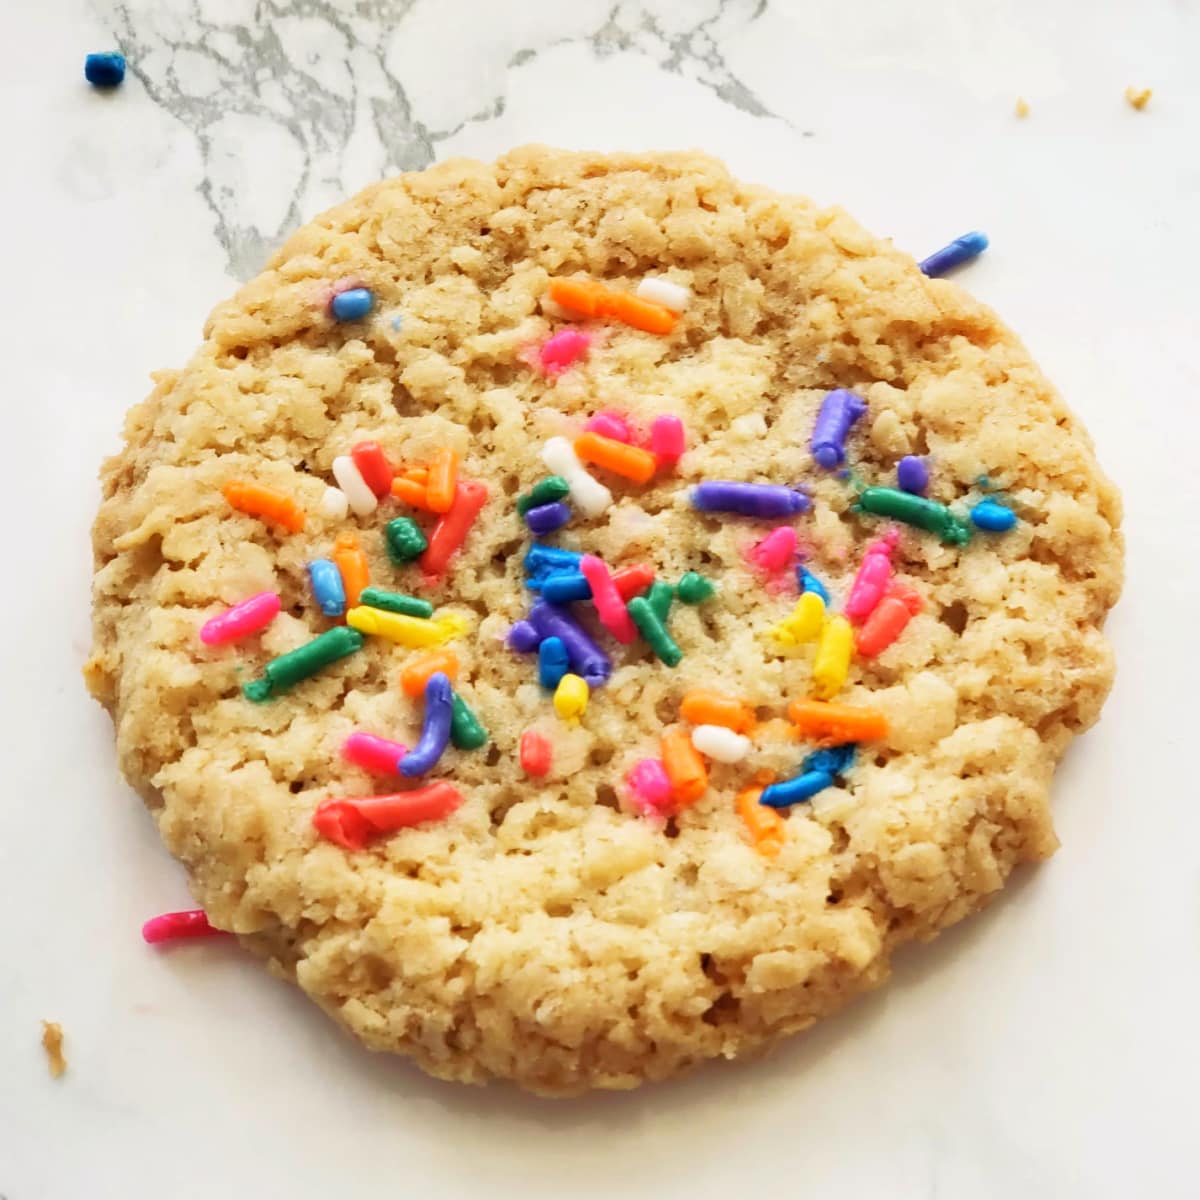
(536, 754)
(175, 926)
(452, 528)
(374, 467)
(633, 581)
(353, 822)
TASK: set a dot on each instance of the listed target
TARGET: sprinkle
(352, 823)
(553, 662)
(452, 528)
(435, 729)
(912, 474)
(52, 1043)
(992, 516)
(373, 467)
(442, 480)
(693, 588)
(327, 587)
(536, 754)
(587, 659)
(835, 760)
(703, 707)
(871, 581)
(610, 424)
(563, 350)
(466, 733)
(566, 586)
(915, 510)
(416, 672)
(590, 299)
(665, 293)
(546, 518)
(396, 602)
(796, 790)
(655, 633)
(766, 827)
(105, 69)
(258, 501)
(836, 723)
(362, 500)
(684, 767)
(898, 606)
(720, 743)
(541, 562)
(570, 697)
(374, 754)
(404, 540)
(630, 462)
(289, 669)
(334, 504)
(961, 250)
(649, 787)
(352, 304)
(352, 563)
(522, 637)
(411, 492)
(546, 491)
(413, 632)
(804, 623)
(175, 926)
(776, 551)
(1138, 97)
(660, 596)
(610, 608)
(839, 411)
(668, 440)
(749, 499)
(590, 495)
(243, 619)
(1022, 107)
(810, 583)
(832, 661)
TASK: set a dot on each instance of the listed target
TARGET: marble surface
(1046, 1049)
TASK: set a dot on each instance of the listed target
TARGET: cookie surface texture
(544, 931)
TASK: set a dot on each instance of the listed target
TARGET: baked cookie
(743, 797)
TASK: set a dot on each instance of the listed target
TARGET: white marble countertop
(1045, 1049)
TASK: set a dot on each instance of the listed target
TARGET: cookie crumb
(1138, 97)
(1022, 108)
(52, 1041)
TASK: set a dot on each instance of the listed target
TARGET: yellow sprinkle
(570, 697)
(833, 658)
(1138, 97)
(399, 627)
(803, 623)
(1022, 107)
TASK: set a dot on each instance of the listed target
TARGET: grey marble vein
(308, 83)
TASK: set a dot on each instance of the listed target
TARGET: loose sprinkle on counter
(960, 251)
(178, 926)
(104, 69)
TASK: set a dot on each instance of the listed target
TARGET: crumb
(1022, 109)
(1138, 97)
(52, 1040)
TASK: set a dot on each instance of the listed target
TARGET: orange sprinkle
(630, 461)
(442, 477)
(703, 707)
(591, 299)
(416, 474)
(411, 492)
(685, 768)
(352, 563)
(579, 295)
(418, 669)
(265, 502)
(768, 830)
(833, 724)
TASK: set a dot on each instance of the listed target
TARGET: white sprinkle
(334, 504)
(361, 498)
(720, 743)
(589, 494)
(662, 291)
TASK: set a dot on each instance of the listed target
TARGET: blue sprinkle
(397, 323)
(352, 304)
(836, 760)
(435, 731)
(912, 474)
(796, 790)
(546, 518)
(961, 250)
(810, 583)
(104, 70)
(566, 586)
(543, 561)
(553, 662)
(327, 587)
(993, 517)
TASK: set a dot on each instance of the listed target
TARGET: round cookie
(544, 931)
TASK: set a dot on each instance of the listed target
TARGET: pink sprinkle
(667, 439)
(776, 551)
(563, 350)
(649, 788)
(372, 753)
(874, 574)
(610, 607)
(610, 424)
(241, 620)
(174, 926)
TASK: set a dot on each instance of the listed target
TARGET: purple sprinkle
(587, 659)
(961, 250)
(912, 474)
(839, 410)
(523, 638)
(546, 518)
(749, 499)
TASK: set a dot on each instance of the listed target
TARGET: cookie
(596, 894)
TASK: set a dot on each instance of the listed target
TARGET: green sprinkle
(693, 588)
(257, 690)
(915, 510)
(553, 487)
(405, 541)
(289, 669)
(654, 631)
(660, 596)
(465, 730)
(374, 597)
